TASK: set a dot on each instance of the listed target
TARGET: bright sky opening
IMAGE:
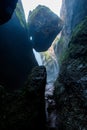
(54, 5)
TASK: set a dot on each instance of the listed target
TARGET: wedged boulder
(25, 109)
(6, 10)
(16, 55)
(71, 86)
(43, 27)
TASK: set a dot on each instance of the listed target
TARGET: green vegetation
(46, 55)
(61, 50)
(61, 40)
(79, 35)
(76, 44)
(20, 14)
(63, 57)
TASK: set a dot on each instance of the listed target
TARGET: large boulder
(6, 10)
(25, 109)
(16, 55)
(43, 27)
(71, 86)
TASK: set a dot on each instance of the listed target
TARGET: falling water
(50, 107)
(38, 57)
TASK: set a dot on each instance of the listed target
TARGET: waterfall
(38, 57)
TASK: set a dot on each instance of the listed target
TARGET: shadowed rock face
(43, 27)
(6, 10)
(16, 55)
(25, 109)
(71, 86)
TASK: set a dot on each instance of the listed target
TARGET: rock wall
(6, 10)
(25, 109)
(16, 55)
(71, 85)
(72, 13)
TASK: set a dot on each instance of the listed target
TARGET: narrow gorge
(43, 66)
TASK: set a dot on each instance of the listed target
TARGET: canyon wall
(72, 13)
(71, 85)
(16, 55)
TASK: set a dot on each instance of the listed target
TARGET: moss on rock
(71, 85)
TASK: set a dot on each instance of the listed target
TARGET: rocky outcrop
(6, 10)
(43, 27)
(71, 86)
(25, 109)
(16, 55)
(72, 13)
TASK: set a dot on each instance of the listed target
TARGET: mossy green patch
(63, 57)
(20, 14)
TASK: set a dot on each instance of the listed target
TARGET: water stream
(50, 107)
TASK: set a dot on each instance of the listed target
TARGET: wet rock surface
(50, 107)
